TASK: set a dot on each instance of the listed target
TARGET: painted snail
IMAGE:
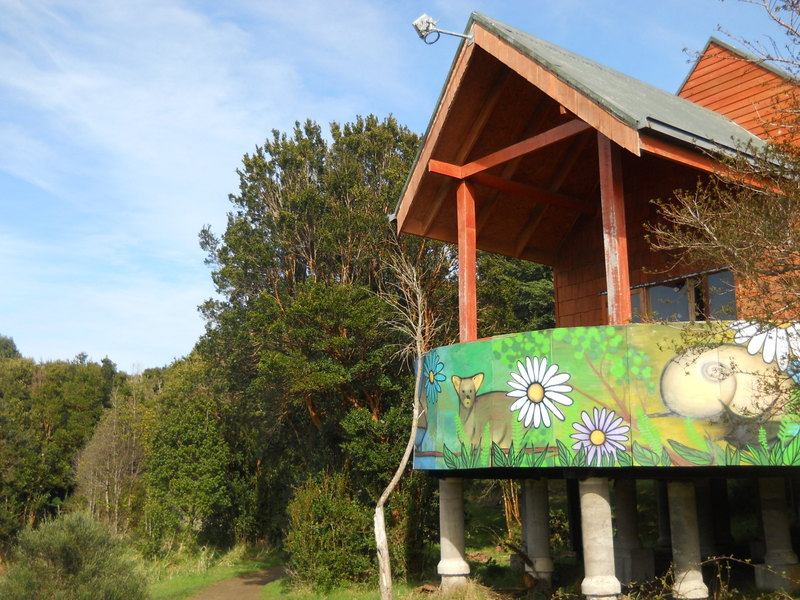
(719, 381)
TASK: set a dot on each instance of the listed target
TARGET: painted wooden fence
(717, 394)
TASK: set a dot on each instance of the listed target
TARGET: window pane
(669, 302)
(721, 296)
(636, 307)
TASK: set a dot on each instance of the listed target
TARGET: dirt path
(244, 587)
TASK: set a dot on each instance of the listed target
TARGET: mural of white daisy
(538, 390)
(774, 343)
(600, 436)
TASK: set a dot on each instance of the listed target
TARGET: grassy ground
(179, 578)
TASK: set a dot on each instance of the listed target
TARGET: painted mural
(627, 396)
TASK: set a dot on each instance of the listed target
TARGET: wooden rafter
(657, 146)
(538, 118)
(468, 142)
(537, 142)
(686, 157)
(528, 230)
(435, 129)
(532, 193)
(512, 187)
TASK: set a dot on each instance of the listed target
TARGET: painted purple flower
(600, 436)
(538, 389)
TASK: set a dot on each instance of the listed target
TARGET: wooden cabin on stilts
(540, 154)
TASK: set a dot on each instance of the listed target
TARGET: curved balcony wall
(627, 396)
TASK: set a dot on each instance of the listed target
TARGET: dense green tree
(513, 295)
(109, 469)
(188, 460)
(8, 349)
(47, 413)
(300, 335)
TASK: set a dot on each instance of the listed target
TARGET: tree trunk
(381, 543)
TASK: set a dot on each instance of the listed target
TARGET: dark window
(699, 297)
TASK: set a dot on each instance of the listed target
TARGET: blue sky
(122, 124)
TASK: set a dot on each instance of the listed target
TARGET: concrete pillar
(705, 517)
(632, 561)
(662, 506)
(780, 558)
(453, 567)
(600, 581)
(537, 530)
(688, 583)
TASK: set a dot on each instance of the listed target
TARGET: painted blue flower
(432, 376)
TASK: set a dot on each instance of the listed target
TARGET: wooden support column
(615, 241)
(467, 258)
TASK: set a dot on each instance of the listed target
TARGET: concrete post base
(779, 577)
(688, 584)
(600, 581)
(453, 566)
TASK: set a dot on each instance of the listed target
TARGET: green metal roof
(638, 104)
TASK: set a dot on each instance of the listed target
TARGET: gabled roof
(640, 105)
(520, 118)
(740, 53)
(744, 88)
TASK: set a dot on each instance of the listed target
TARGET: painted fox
(476, 411)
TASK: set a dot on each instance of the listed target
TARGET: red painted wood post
(615, 241)
(467, 258)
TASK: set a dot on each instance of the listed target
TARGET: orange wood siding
(579, 271)
(747, 93)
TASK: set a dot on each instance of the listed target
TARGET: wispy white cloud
(123, 123)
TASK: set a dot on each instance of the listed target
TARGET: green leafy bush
(330, 539)
(72, 558)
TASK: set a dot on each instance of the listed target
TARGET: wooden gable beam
(537, 142)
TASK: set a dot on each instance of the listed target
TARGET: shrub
(330, 539)
(71, 558)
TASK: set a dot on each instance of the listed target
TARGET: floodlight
(425, 25)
